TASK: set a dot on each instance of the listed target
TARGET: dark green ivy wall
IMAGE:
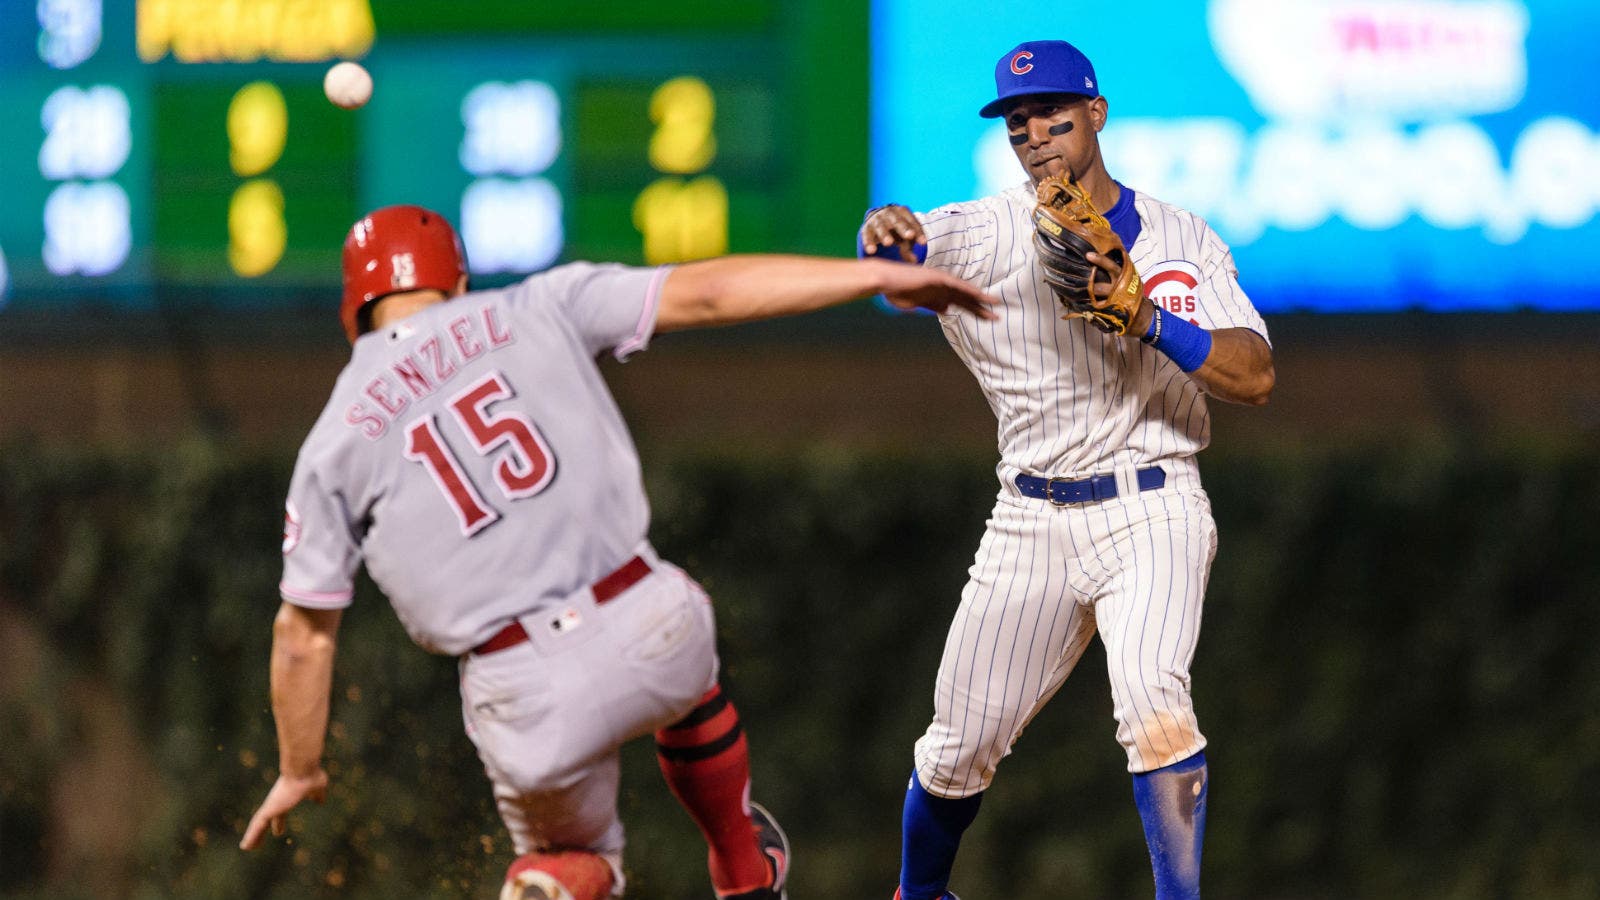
(1397, 676)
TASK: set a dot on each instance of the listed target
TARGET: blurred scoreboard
(183, 149)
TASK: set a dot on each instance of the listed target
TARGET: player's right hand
(909, 287)
(893, 226)
(286, 794)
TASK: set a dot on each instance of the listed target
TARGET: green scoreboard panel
(183, 149)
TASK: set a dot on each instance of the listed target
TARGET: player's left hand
(286, 794)
(1140, 323)
(1076, 249)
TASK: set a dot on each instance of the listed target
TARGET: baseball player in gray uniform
(1101, 525)
(472, 459)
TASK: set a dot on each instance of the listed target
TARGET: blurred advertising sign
(1359, 155)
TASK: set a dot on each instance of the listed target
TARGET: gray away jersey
(473, 458)
(1071, 400)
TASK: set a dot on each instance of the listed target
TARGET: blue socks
(930, 835)
(1172, 803)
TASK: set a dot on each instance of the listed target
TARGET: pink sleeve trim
(316, 599)
(647, 317)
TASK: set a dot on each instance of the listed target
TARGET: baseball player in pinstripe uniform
(1101, 525)
(472, 458)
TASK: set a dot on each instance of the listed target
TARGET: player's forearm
(303, 646)
(1239, 368)
(734, 289)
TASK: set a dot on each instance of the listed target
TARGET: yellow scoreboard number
(683, 217)
(258, 129)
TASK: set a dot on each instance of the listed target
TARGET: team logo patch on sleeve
(1171, 286)
(291, 527)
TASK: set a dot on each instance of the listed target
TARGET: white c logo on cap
(1023, 69)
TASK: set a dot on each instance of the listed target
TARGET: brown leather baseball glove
(1067, 228)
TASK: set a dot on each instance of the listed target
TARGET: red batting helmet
(394, 249)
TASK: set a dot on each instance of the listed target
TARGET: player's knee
(957, 772)
(1154, 688)
(1156, 725)
(949, 785)
(530, 774)
(1159, 738)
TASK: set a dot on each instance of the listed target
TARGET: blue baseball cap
(1041, 67)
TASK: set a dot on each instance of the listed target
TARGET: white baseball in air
(347, 84)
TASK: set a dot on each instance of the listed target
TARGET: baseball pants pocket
(666, 638)
(504, 687)
(507, 702)
(662, 627)
(546, 743)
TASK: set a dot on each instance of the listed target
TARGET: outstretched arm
(748, 288)
(303, 644)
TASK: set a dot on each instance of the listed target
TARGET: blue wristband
(1184, 342)
(919, 252)
(887, 251)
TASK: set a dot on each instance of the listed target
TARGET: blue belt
(1099, 487)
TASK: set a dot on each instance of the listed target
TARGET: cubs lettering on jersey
(1171, 285)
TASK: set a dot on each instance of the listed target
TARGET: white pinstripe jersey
(1070, 400)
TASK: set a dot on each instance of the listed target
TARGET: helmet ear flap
(392, 250)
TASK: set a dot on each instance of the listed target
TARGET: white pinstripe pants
(1045, 580)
